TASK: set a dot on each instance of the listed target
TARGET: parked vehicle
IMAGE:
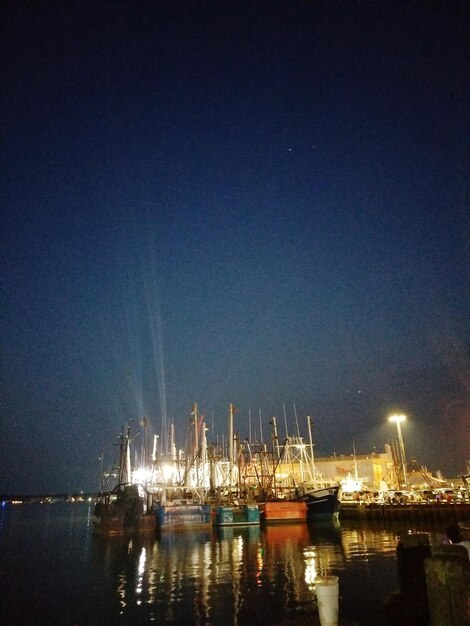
(427, 495)
(397, 497)
(446, 495)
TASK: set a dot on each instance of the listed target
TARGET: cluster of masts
(210, 466)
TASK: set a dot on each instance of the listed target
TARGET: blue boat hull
(246, 515)
(183, 516)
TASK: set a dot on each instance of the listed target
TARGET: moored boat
(237, 515)
(123, 508)
(320, 495)
(323, 503)
(283, 511)
(108, 516)
(182, 500)
(182, 515)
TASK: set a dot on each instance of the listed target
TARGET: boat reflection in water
(251, 575)
(57, 570)
(235, 575)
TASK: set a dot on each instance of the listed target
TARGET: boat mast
(154, 458)
(203, 465)
(124, 458)
(296, 421)
(249, 425)
(314, 471)
(195, 413)
(231, 456)
(275, 436)
(285, 420)
(100, 458)
(143, 456)
(173, 454)
(154, 449)
(356, 474)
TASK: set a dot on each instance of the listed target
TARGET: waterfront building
(373, 469)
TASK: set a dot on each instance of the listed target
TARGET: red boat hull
(283, 511)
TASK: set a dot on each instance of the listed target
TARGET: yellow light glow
(397, 418)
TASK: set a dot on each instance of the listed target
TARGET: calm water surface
(53, 570)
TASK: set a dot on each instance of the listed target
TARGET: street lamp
(398, 419)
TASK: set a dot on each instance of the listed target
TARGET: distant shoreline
(45, 498)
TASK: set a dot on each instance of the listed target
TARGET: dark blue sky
(261, 203)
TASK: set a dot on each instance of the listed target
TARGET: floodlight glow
(397, 418)
(142, 476)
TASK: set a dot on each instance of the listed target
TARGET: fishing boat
(277, 511)
(182, 508)
(123, 508)
(180, 498)
(274, 502)
(182, 515)
(237, 515)
(232, 505)
(181, 503)
(296, 478)
(108, 515)
(323, 503)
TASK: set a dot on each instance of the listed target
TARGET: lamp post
(398, 419)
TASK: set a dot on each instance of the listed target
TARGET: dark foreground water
(53, 570)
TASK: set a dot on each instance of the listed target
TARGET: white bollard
(327, 588)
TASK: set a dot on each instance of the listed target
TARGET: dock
(439, 512)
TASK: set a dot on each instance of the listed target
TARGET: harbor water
(55, 571)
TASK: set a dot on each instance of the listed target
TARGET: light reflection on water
(57, 572)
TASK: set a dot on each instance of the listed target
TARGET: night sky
(263, 203)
